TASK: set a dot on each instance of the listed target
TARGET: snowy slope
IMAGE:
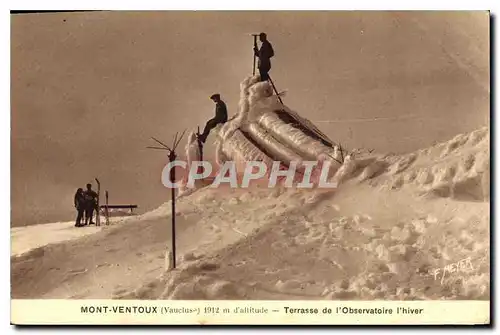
(381, 235)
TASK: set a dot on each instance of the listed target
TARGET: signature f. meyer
(459, 266)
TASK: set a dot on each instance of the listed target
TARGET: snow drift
(387, 233)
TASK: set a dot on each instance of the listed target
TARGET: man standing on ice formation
(265, 53)
(90, 204)
(220, 116)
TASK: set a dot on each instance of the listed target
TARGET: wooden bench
(103, 208)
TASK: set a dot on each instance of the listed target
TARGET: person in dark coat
(80, 206)
(220, 116)
(90, 204)
(265, 53)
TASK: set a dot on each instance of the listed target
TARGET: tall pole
(255, 45)
(171, 158)
(200, 145)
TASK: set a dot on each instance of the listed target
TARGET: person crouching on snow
(220, 116)
(80, 206)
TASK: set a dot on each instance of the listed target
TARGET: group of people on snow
(85, 204)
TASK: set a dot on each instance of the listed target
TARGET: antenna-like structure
(172, 156)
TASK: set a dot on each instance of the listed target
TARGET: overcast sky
(89, 89)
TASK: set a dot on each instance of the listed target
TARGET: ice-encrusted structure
(266, 130)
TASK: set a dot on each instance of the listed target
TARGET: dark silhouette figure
(90, 204)
(80, 206)
(220, 116)
(265, 53)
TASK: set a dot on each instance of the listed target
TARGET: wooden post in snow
(172, 156)
(98, 209)
(200, 144)
(106, 212)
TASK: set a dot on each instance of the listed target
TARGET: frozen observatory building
(266, 130)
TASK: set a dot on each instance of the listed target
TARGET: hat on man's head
(263, 35)
(215, 96)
